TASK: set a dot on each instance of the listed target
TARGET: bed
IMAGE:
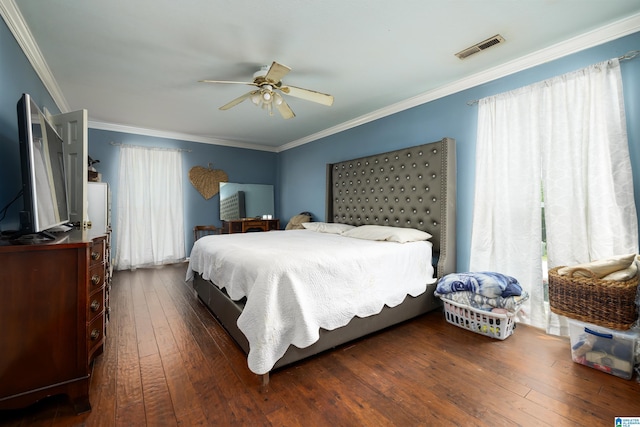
(272, 318)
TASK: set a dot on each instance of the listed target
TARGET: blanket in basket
(488, 284)
(482, 290)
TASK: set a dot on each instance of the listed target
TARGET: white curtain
(149, 221)
(566, 136)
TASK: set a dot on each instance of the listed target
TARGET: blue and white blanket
(511, 304)
(482, 290)
(488, 284)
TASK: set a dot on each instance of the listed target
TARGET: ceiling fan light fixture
(277, 99)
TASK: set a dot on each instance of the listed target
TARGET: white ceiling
(135, 65)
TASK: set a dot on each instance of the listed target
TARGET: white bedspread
(299, 281)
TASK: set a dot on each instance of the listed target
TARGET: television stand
(53, 305)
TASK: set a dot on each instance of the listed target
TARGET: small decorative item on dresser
(92, 173)
(582, 294)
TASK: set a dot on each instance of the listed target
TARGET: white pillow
(327, 227)
(385, 233)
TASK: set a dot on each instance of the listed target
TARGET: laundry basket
(494, 325)
(607, 303)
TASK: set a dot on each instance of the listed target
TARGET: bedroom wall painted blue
(302, 169)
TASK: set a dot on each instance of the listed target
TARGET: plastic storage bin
(607, 350)
(494, 325)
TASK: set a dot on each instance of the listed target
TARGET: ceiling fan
(269, 81)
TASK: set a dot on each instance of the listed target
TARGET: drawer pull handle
(95, 279)
(95, 305)
(95, 334)
(95, 256)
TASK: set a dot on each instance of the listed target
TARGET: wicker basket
(607, 303)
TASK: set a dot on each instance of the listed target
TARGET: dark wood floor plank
(560, 379)
(224, 378)
(164, 339)
(158, 406)
(427, 375)
(311, 403)
(176, 344)
(185, 398)
(369, 403)
(167, 361)
(412, 392)
(571, 414)
(488, 354)
(204, 373)
(129, 397)
(186, 402)
(529, 375)
(147, 343)
(475, 382)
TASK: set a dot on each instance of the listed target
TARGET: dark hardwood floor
(168, 362)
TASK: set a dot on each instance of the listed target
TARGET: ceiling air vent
(497, 39)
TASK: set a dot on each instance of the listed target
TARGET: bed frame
(413, 187)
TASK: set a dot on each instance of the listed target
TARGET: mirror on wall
(239, 201)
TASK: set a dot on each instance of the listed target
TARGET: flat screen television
(44, 188)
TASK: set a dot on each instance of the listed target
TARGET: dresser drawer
(256, 224)
(95, 305)
(96, 277)
(95, 333)
(97, 251)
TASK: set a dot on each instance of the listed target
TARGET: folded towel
(623, 275)
(599, 269)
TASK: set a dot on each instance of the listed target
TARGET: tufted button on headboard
(413, 187)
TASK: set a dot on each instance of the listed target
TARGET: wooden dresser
(250, 224)
(52, 317)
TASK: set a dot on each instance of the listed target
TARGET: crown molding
(177, 136)
(18, 27)
(587, 40)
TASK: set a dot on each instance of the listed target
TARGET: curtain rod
(120, 144)
(626, 57)
(629, 55)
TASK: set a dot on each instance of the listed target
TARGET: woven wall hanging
(207, 180)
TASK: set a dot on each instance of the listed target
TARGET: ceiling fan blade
(285, 111)
(227, 82)
(309, 95)
(237, 100)
(276, 72)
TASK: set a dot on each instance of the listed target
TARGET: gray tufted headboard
(232, 207)
(413, 187)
